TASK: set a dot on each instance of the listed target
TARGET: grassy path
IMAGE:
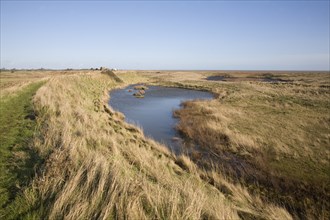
(17, 159)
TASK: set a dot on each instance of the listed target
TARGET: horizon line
(130, 69)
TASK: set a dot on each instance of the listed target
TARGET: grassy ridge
(17, 158)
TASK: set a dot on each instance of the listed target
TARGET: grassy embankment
(272, 138)
(97, 166)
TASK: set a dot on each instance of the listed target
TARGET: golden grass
(280, 131)
(99, 167)
(13, 82)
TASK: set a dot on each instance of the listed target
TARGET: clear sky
(246, 35)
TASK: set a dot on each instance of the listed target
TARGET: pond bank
(154, 111)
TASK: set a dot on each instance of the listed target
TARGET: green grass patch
(17, 158)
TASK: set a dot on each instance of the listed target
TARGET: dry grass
(103, 168)
(13, 82)
(279, 132)
(96, 166)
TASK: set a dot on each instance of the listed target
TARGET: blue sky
(237, 35)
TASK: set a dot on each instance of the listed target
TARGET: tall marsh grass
(96, 166)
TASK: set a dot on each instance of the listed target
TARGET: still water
(154, 112)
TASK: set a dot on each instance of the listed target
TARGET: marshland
(256, 150)
(164, 110)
